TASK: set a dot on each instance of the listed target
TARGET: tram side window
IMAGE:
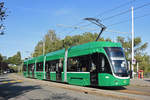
(107, 66)
(61, 61)
(24, 67)
(72, 64)
(104, 64)
(31, 67)
(52, 65)
(79, 64)
(84, 63)
(98, 62)
(47, 65)
(39, 66)
(93, 62)
(101, 62)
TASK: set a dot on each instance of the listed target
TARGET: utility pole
(133, 60)
(137, 68)
(43, 46)
(65, 68)
(129, 65)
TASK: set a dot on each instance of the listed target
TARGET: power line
(121, 13)
(116, 8)
(124, 12)
(120, 22)
(92, 29)
(107, 11)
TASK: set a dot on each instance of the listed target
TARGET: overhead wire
(110, 10)
(104, 12)
(116, 8)
(110, 17)
(121, 13)
(120, 22)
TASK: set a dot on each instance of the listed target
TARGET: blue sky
(29, 20)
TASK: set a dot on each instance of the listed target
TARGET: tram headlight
(116, 82)
(106, 76)
(124, 81)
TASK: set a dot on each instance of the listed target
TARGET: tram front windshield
(118, 61)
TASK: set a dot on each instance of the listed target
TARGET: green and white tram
(93, 63)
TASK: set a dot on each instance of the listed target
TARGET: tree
(141, 57)
(16, 59)
(3, 64)
(51, 41)
(1, 58)
(38, 49)
(144, 62)
(139, 47)
(2, 17)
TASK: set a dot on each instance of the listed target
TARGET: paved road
(14, 89)
(141, 82)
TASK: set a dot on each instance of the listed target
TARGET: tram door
(58, 71)
(94, 69)
(28, 70)
(47, 71)
(94, 77)
(33, 71)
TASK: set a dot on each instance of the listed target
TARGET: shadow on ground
(11, 90)
(98, 87)
(62, 96)
(1, 78)
(109, 88)
(6, 80)
(147, 80)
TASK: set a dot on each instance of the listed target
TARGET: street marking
(12, 81)
(4, 82)
(16, 81)
(19, 80)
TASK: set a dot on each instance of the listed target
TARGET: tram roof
(55, 55)
(83, 49)
(90, 47)
(96, 44)
(30, 60)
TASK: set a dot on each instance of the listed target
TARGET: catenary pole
(132, 42)
(137, 67)
(43, 46)
(65, 67)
